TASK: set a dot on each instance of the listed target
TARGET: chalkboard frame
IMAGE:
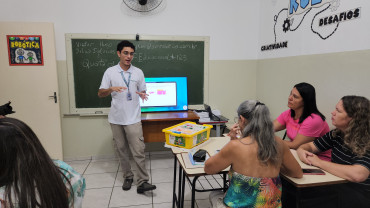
(104, 111)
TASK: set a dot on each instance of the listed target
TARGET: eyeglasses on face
(126, 53)
(236, 119)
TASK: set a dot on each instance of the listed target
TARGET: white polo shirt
(124, 111)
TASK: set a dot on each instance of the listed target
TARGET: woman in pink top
(303, 122)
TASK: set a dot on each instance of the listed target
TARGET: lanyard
(124, 79)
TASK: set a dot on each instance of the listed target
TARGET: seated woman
(350, 143)
(303, 121)
(256, 160)
(28, 177)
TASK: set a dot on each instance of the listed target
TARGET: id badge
(129, 96)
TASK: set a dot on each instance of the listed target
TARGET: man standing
(126, 84)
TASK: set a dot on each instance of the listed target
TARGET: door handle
(54, 97)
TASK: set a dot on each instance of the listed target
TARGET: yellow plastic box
(187, 134)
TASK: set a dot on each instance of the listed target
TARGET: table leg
(193, 191)
(224, 188)
(218, 130)
(174, 198)
(179, 202)
(182, 188)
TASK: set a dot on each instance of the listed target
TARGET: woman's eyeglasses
(236, 119)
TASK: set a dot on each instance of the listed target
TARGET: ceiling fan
(142, 7)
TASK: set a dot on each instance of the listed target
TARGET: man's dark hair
(125, 43)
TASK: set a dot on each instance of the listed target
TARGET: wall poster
(25, 50)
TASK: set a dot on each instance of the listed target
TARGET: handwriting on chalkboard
(97, 64)
(88, 44)
(98, 51)
(167, 46)
(91, 57)
(95, 51)
(142, 57)
(92, 48)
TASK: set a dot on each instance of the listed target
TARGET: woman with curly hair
(29, 178)
(256, 158)
(350, 144)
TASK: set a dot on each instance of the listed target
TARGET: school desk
(319, 187)
(294, 186)
(193, 174)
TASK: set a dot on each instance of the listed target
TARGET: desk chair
(223, 129)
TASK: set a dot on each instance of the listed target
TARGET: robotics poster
(25, 50)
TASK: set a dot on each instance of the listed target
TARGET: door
(31, 88)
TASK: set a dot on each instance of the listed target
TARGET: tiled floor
(104, 181)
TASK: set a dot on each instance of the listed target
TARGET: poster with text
(25, 50)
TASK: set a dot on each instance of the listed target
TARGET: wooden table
(153, 123)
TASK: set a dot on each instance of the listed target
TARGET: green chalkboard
(90, 57)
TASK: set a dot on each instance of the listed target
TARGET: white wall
(334, 58)
(231, 25)
(350, 35)
(333, 75)
(231, 82)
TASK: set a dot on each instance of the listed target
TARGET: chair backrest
(207, 108)
(284, 135)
